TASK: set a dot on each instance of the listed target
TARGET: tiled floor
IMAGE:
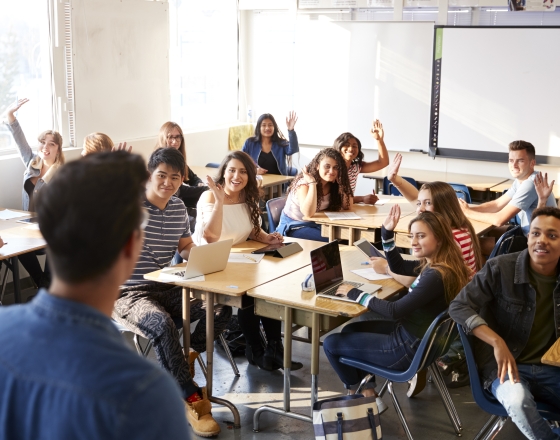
(425, 413)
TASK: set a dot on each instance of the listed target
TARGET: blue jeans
(541, 382)
(299, 229)
(381, 342)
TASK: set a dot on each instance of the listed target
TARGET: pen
(365, 263)
(249, 258)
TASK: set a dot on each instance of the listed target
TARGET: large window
(203, 63)
(25, 67)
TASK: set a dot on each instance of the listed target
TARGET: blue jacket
(66, 372)
(501, 296)
(279, 152)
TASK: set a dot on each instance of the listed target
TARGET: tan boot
(193, 355)
(200, 418)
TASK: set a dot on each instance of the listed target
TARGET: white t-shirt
(236, 223)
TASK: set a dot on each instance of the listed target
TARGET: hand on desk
(379, 265)
(344, 289)
(274, 238)
(261, 171)
(392, 218)
(371, 199)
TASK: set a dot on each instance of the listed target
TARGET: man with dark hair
(65, 370)
(148, 308)
(521, 199)
(512, 306)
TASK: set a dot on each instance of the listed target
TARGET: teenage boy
(521, 199)
(148, 308)
(65, 370)
(512, 306)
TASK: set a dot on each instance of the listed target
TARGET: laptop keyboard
(332, 290)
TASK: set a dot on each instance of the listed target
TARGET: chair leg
(229, 355)
(446, 398)
(491, 429)
(363, 382)
(141, 351)
(399, 410)
(4, 282)
(202, 366)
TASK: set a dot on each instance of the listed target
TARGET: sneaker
(200, 418)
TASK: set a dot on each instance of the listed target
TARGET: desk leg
(287, 364)
(210, 360)
(270, 192)
(186, 322)
(17, 285)
(315, 360)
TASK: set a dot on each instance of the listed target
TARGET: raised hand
(393, 168)
(543, 188)
(291, 120)
(14, 108)
(217, 190)
(392, 218)
(307, 178)
(377, 130)
(122, 147)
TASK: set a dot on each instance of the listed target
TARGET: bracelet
(387, 270)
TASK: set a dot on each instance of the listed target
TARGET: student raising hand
(217, 190)
(377, 130)
(392, 218)
(307, 177)
(122, 147)
(543, 188)
(291, 120)
(393, 169)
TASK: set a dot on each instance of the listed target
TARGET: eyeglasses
(145, 218)
(175, 138)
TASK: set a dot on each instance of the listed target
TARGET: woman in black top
(441, 273)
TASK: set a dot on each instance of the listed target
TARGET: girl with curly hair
(230, 209)
(322, 185)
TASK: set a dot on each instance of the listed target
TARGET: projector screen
(348, 73)
(496, 85)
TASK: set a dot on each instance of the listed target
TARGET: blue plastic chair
(212, 165)
(292, 171)
(486, 400)
(435, 343)
(390, 189)
(462, 191)
(504, 243)
(274, 209)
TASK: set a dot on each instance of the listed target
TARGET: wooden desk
(229, 287)
(477, 183)
(507, 185)
(283, 299)
(270, 181)
(19, 241)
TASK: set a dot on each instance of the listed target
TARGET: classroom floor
(425, 413)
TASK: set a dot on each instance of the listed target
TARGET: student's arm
(193, 179)
(293, 146)
(24, 149)
(543, 188)
(307, 194)
(263, 237)
(213, 227)
(380, 265)
(406, 188)
(185, 246)
(1, 242)
(497, 212)
(383, 160)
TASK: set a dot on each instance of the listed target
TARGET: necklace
(231, 200)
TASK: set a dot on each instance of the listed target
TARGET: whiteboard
(499, 85)
(121, 68)
(348, 73)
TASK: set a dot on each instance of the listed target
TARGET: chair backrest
(389, 188)
(438, 338)
(274, 209)
(212, 165)
(292, 171)
(504, 243)
(462, 191)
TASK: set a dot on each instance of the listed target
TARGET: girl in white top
(230, 210)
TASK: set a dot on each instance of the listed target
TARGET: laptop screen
(326, 266)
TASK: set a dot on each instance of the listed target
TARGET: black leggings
(249, 323)
(31, 264)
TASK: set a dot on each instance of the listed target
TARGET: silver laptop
(205, 259)
(327, 273)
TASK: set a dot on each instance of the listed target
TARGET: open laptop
(205, 259)
(327, 273)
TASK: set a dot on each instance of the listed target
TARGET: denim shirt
(33, 164)
(66, 373)
(501, 296)
(279, 152)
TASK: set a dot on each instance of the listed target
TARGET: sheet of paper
(342, 215)
(7, 214)
(382, 201)
(236, 257)
(176, 274)
(370, 274)
(32, 227)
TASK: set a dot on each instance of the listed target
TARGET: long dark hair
(447, 259)
(341, 191)
(343, 140)
(445, 203)
(277, 136)
(251, 190)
